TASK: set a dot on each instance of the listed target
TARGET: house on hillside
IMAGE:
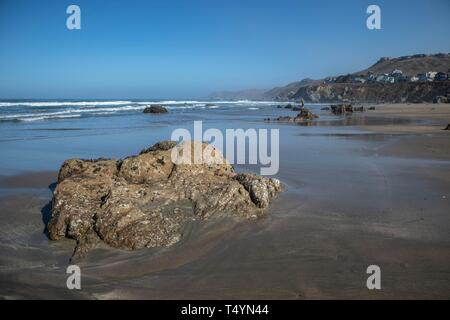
(441, 76)
(403, 78)
(330, 80)
(396, 73)
(389, 79)
(385, 78)
(423, 77)
(371, 77)
(381, 78)
(431, 75)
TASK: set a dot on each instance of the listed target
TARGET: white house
(431, 75)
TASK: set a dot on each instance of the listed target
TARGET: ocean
(40, 135)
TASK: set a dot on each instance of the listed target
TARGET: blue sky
(188, 48)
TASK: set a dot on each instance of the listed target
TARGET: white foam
(49, 117)
(63, 103)
(71, 111)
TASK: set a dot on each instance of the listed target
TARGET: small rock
(155, 108)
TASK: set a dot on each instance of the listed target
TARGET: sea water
(40, 135)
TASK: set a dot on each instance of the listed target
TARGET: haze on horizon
(188, 49)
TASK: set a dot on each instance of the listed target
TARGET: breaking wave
(46, 110)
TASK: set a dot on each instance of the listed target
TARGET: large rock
(155, 108)
(144, 200)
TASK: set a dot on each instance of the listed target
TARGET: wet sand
(378, 194)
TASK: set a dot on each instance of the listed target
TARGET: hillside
(318, 91)
(411, 65)
(415, 92)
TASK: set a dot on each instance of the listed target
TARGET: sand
(378, 194)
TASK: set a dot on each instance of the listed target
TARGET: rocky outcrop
(411, 92)
(340, 109)
(155, 108)
(144, 200)
(304, 115)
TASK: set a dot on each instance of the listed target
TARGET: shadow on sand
(46, 211)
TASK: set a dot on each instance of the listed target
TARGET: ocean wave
(49, 117)
(33, 111)
(71, 111)
(128, 102)
(173, 102)
(63, 103)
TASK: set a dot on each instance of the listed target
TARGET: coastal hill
(364, 86)
(411, 65)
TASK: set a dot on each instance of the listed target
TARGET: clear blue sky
(188, 48)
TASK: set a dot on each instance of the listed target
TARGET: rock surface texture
(144, 200)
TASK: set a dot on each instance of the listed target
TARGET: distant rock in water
(155, 108)
(339, 109)
(144, 200)
(304, 114)
(448, 127)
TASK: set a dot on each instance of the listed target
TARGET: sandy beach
(370, 188)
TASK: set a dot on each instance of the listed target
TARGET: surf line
(193, 310)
